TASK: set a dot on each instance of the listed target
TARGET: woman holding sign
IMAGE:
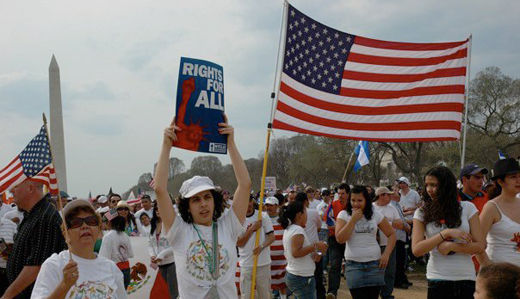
(204, 236)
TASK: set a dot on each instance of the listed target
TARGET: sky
(119, 62)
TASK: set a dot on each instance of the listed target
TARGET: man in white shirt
(247, 252)
(311, 196)
(410, 199)
(383, 206)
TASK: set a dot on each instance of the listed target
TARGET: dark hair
(325, 192)
(118, 223)
(146, 197)
(501, 280)
(446, 207)
(114, 194)
(184, 206)
(302, 197)
(143, 214)
(155, 220)
(367, 210)
(74, 212)
(288, 212)
(344, 186)
(280, 197)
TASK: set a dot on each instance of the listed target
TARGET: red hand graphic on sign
(191, 134)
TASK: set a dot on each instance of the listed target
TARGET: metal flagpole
(60, 206)
(468, 69)
(276, 86)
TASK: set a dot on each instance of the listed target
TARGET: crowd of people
(210, 243)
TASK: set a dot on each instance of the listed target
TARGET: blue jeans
(336, 253)
(301, 287)
(388, 288)
(446, 289)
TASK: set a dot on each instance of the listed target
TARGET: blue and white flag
(501, 156)
(363, 155)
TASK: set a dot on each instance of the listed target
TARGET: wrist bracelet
(442, 237)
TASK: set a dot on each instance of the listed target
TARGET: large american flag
(34, 162)
(341, 85)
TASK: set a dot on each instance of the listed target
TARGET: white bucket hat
(195, 185)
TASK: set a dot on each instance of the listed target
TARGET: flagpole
(468, 69)
(343, 180)
(60, 206)
(276, 83)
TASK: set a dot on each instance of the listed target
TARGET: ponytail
(288, 213)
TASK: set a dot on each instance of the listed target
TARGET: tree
(494, 108)
(206, 165)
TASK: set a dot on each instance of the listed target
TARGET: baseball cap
(195, 185)
(404, 180)
(102, 199)
(75, 204)
(271, 200)
(383, 190)
(472, 169)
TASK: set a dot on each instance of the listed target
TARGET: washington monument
(56, 125)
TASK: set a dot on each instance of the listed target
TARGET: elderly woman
(79, 272)
(203, 236)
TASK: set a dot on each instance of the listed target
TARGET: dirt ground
(417, 291)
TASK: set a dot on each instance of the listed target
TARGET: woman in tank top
(500, 219)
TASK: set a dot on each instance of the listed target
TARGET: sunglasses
(123, 209)
(113, 201)
(78, 221)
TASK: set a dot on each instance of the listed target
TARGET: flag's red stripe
(387, 126)
(8, 165)
(369, 42)
(276, 247)
(393, 94)
(284, 126)
(10, 172)
(278, 267)
(278, 257)
(361, 110)
(404, 61)
(395, 78)
(9, 182)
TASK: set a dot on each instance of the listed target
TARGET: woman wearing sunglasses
(123, 210)
(79, 272)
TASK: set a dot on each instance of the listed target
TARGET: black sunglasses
(78, 221)
(123, 209)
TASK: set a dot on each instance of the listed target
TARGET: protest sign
(200, 106)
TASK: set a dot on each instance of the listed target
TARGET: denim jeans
(336, 253)
(400, 263)
(447, 289)
(301, 287)
(388, 288)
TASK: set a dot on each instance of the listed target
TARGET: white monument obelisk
(56, 124)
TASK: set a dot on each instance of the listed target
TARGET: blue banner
(200, 106)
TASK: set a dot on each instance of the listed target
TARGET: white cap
(195, 185)
(404, 180)
(102, 199)
(271, 200)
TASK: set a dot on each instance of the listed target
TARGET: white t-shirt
(98, 278)
(362, 245)
(391, 214)
(458, 266)
(116, 247)
(191, 262)
(312, 225)
(4, 208)
(314, 204)
(245, 253)
(301, 266)
(160, 248)
(322, 209)
(410, 200)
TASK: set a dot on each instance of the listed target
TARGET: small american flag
(341, 85)
(34, 162)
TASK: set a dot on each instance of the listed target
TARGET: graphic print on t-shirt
(364, 227)
(92, 290)
(198, 262)
(516, 239)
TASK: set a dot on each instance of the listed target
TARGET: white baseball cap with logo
(195, 185)
(271, 200)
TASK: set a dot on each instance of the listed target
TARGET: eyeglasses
(78, 221)
(113, 201)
